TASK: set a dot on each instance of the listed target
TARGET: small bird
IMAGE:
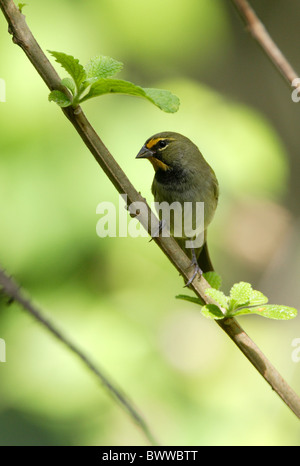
(182, 175)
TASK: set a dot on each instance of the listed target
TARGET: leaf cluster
(242, 300)
(97, 78)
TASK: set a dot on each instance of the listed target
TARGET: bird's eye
(162, 144)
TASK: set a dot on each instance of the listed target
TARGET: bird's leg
(194, 263)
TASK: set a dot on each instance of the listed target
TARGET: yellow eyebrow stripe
(152, 142)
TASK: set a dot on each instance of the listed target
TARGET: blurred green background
(115, 297)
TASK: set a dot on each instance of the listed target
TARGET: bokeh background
(115, 297)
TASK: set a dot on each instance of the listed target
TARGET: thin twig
(11, 289)
(23, 37)
(261, 35)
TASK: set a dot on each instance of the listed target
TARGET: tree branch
(11, 289)
(261, 35)
(24, 38)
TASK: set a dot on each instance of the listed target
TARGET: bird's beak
(144, 153)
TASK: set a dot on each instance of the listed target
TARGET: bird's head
(169, 150)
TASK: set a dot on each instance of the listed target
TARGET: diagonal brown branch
(24, 38)
(11, 289)
(261, 35)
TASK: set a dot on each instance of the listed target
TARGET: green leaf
(211, 311)
(191, 299)
(102, 67)
(240, 294)
(21, 6)
(60, 98)
(113, 86)
(218, 296)
(270, 311)
(69, 84)
(71, 65)
(214, 279)
(257, 298)
(163, 99)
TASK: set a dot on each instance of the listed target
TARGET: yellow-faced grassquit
(182, 176)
